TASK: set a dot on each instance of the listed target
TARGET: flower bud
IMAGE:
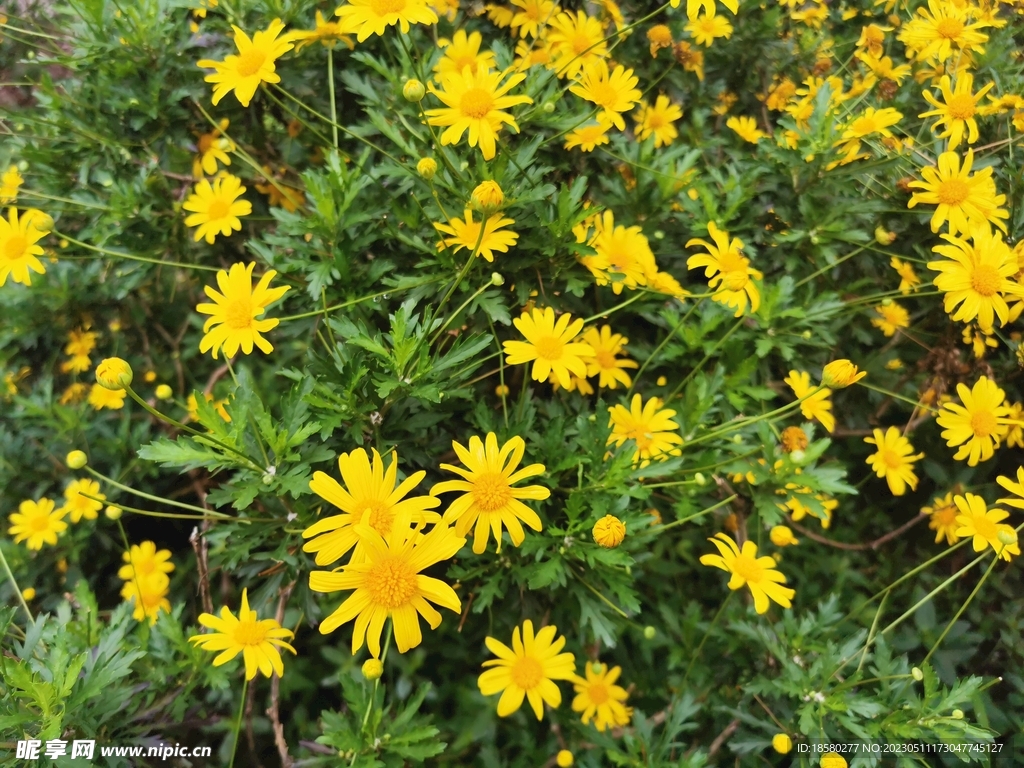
(782, 743)
(699, 478)
(564, 758)
(841, 373)
(43, 222)
(426, 167)
(548, 107)
(883, 236)
(501, 390)
(609, 531)
(164, 392)
(1007, 536)
(29, 593)
(958, 714)
(497, 279)
(782, 536)
(917, 674)
(114, 373)
(113, 513)
(797, 456)
(413, 90)
(76, 459)
(662, 381)
(373, 669)
(487, 196)
(650, 632)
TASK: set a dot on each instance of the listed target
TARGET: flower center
(249, 633)
(205, 142)
(580, 43)
(986, 280)
(983, 423)
(985, 527)
(641, 436)
(379, 516)
(527, 673)
(892, 459)
(655, 121)
(605, 359)
(461, 62)
(15, 248)
(862, 126)
(491, 491)
(39, 523)
(250, 62)
(219, 209)
(598, 693)
(953, 191)
(747, 568)
(951, 29)
(604, 95)
(476, 103)
(144, 568)
(961, 106)
(238, 314)
(391, 583)
(549, 347)
(945, 516)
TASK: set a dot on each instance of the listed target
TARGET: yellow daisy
(232, 323)
(942, 30)
(37, 523)
(143, 560)
(10, 181)
(815, 403)
(258, 640)
(388, 583)
(943, 514)
(977, 426)
(600, 699)
(527, 670)
(587, 137)
(372, 17)
(532, 16)
(370, 498)
(623, 255)
(984, 525)
(614, 92)
(894, 460)
(1016, 488)
(892, 317)
(327, 33)
(908, 277)
(213, 148)
(658, 120)
(149, 596)
(466, 234)
(489, 502)
(78, 506)
(549, 345)
(729, 271)
(604, 364)
(960, 198)
(100, 397)
(957, 110)
(253, 65)
(475, 102)
(757, 573)
(18, 250)
(216, 207)
(576, 41)
(649, 426)
(746, 128)
(462, 52)
(707, 28)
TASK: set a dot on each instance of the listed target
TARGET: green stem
(871, 632)
(707, 357)
(661, 346)
(31, 193)
(238, 723)
(351, 302)
(963, 607)
(886, 392)
(465, 269)
(174, 515)
(707, 634)
(603, 599)
(674, 523)
(640, 293)
(457, 311)
(171, 502)
(132, 256)
(330, 85)
(14, 584)
(376, 683)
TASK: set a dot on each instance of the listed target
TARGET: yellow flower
(781, 743)
(894, 460)
(564, 758)
(18, 250)
(757, 573)
(36, 523)
(466, 234)
(659, 36)
(77, 505)
(870, 122)
(532, 17)
(782, 536)
(114, 373)
(577, 41)
(527, 670)
(693, 7)
(942, 31)
(691, 60)
(74, 393)
(832, 760)
(232, 323)
(192, 406)
(600, 699)
(369, 498)
(872, 37)
(487, 196)
(609, 532)
(100, 397)
(533, 53)
(549, 345)
(1016, 488)
(614, 92)
(908, 277)
(475, 103)
(943, 514)
(463, 51)
(143, 560)
(388, 583)
(883, 67)
(253, 65)
(149, 596)
(658, 121)
(815, 403)
(212, 148)
(80, 344)
(976, 276)
(840, 374)
(426, 167)
(499, 15)
(588, 136)
(215, 209)
(746, 128)
(729, 271)
(984, 526)
(623, 255)
(10, 182)
(705, 29)
(327, 33)
(489, 501)
(793, 439)
(258, 640)
(892, 317)
(649, 426)
(372, 17)
(604, 363)
(962, 199)
(977, 426)
(663, 282)
(957, 110)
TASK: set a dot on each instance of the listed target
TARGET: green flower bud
(917, 674)
(114, 373)
(650, 632)
(77, 459)
(426, 168)
(113, 513)
(373, 669)
(413, 90)
(164, 392)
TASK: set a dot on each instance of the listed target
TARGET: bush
(512, 385)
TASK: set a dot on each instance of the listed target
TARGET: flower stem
(707, 633)
(14, 584)
(330, 85)
(131, 256)
(238, 723)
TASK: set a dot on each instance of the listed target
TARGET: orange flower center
(961, 106)
(581, 42)
(527, 673)
(391, 583)
(549, 347)
(603, 94)
(945, 516)
(598, 693)
(15, 248)
(862, 126)
(476, 103)
(379, 516)
(986, 280)
(491, 491)
(983, 423)
(892, 459)
(219, 209)
(950, 29)
(641, 435)
(952, 191)
(205, 142)
(984, 527)
(249, 633)
(605, 359)
(385, 7)
(461, 62)
(250, 62)
(238, 314)
(747, 568)
(39, 523)
(655, 120)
